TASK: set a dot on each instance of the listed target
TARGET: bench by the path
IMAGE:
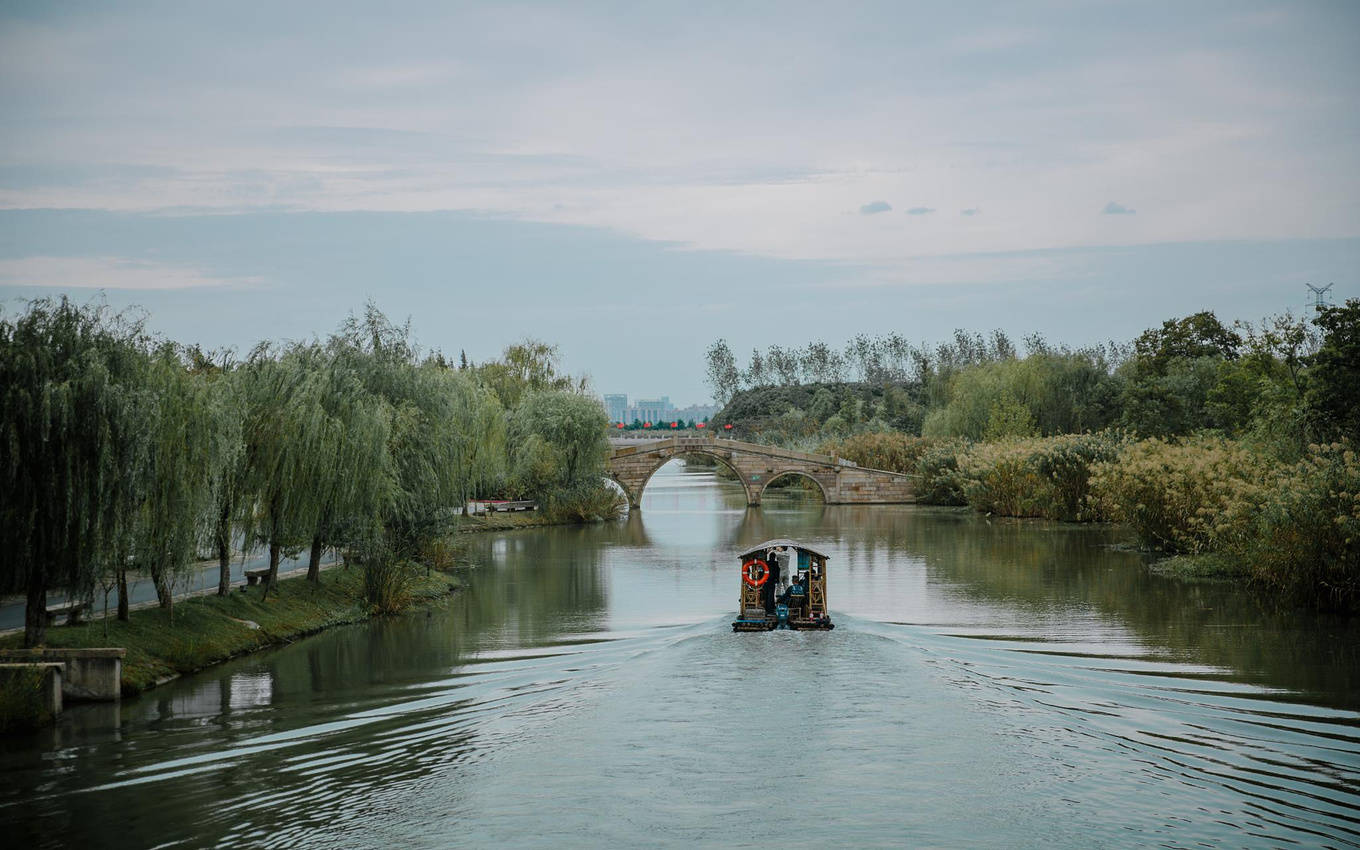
(72, 610)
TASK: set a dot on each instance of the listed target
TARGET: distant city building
(617, 408)
(653, 410)
(695, 413)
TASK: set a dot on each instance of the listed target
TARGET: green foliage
(584, 501)
(386, 579)
(1052, 391)
(192, 439)
(1300, 534)
(1171, 399)
(787, 414)
(24, 703)
(723, 376)
(525, 367)
(940, 481)
(207, 630)
(74, 404)
(1294, 526)
(1195, 336)
(1173, 494)
(893, 452)
(561, 440)
(1044, 477)
(1333, 394)
(285, 433)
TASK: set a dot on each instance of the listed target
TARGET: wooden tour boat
(783, 586)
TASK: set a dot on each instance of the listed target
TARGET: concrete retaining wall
(90, 674)
(30, 694)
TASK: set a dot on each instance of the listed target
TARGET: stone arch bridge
(633, 462)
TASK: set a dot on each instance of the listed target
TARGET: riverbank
(1230, 509)
(202, 631)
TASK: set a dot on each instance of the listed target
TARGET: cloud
(971, 211)
(1114, 208)
(920, 211)
(875, 207)
(108, 273)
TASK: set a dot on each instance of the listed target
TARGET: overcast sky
(630, 181)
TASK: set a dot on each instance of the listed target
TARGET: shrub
(387, 579)
(1037, 477)
(1302, 535)
(1180, 496)
(891, 452)
(997, 478)
(584, 502)
(939, 481)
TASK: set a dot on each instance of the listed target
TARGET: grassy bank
(207, 630)
(508, 522)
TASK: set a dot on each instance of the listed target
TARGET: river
(990, 683)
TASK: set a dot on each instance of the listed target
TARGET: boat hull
(771, 623)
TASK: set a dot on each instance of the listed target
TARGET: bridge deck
(634, 460)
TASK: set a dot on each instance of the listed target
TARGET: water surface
(989, 684)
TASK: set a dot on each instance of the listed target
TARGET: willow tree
(73, 438)
(570, 428)
(219, 375)
(527, 366)
(479, 438)
(434, 409)
(352, 479)
(193, 436)
(284, 435)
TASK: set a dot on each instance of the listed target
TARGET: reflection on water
(990, 683)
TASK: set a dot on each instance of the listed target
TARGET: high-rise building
(654, 409)
(617, 408)
(695, 412)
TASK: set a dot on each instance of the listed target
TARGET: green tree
(430, 406)
(1197, 335)
(1334, 373)
(217, 371)
(524, 367)
(73, 440)
(352, 478)
(284, 432)
(570, 427)
(724, 378)
(1168, 381)
(192, 439)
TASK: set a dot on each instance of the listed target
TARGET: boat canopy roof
(760, 548)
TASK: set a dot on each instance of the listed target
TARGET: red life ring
(764, 572)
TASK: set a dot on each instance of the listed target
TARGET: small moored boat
(783, 586)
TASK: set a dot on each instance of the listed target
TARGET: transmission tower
(1320, 299)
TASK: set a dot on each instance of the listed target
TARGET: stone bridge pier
(634, 461)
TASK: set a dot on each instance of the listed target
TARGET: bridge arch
(795, 473)
(633, 462)
(634, 492)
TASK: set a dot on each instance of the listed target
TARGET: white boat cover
(760, 548)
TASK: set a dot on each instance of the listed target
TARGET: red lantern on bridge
(646, 424)
(618, 424)
(674, 425)
(727, 427)
(700, 424)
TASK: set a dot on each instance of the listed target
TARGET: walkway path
(202, 578)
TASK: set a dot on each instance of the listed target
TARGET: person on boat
(786, 565)
(767, 590)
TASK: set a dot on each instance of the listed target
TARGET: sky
(632, 181)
